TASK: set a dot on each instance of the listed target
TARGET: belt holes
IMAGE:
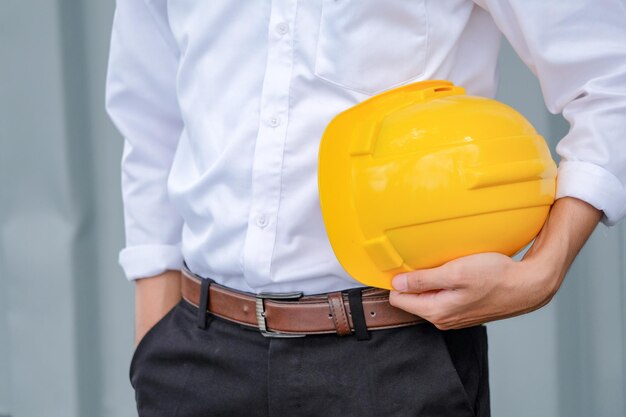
(373, 313)
(330, 316)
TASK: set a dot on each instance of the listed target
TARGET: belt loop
(355, 299)
(339, 314)
(205, 289)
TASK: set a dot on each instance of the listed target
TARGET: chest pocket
(371, 45)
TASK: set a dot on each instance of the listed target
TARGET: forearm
(154, 297)
(569, 225)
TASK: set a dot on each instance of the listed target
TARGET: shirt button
(274, 121)
(282, 28)
(261, 221)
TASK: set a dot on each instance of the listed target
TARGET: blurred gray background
(66, 311)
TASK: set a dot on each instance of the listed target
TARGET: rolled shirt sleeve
(141, 101)
(577, 49)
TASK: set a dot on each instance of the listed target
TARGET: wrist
(540, 279)
(154, 297)
(546, 263)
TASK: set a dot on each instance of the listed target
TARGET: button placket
(269, 149)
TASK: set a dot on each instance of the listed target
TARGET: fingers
(425, 293)
(439, 308)
(431, 306)
(419, 304)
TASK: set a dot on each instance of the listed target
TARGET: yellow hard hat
(422, 174)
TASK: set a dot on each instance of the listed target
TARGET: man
(222, 105)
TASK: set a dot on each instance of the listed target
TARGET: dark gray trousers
(181, 370)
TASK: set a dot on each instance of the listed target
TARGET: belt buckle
(260, 312)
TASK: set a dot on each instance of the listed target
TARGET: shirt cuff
(594, 185)
(149, 260)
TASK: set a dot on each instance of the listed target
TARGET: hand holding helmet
(423, 174)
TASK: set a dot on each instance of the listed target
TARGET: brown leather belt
(291, 314)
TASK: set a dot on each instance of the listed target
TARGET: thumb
(422, 280)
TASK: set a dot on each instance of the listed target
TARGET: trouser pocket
(145, 341)
(158, 370)
(467, 354)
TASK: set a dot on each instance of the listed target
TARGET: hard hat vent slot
(442, 91)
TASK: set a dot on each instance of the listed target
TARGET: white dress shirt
(222, 105)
